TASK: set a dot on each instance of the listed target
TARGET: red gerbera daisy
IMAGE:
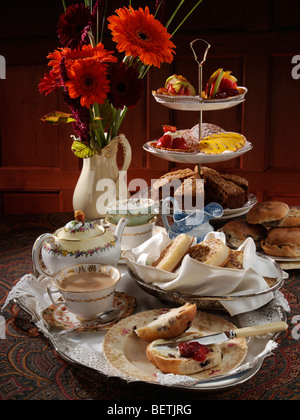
(126, 87)
(88, 80)
(99, 53)
(74, 25)
(49, 83)
(139, 34)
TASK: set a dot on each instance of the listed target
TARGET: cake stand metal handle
(200, 80)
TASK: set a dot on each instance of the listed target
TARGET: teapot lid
(79, 229)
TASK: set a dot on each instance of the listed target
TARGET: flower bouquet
(97, 88)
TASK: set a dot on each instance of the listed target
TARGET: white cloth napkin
(196, 278)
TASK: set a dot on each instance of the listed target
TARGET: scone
(170, 324)
(292, 219)
(181, 361)
(268, 213)
(173, 254)
(282, 242)
(237, 231)
(211, 251)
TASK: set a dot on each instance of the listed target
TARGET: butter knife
(221, 337)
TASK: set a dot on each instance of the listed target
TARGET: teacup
(87, 290)
(134, 236)
(138, 211)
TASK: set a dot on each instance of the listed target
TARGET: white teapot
(79, 241)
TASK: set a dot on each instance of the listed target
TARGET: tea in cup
(87, 290)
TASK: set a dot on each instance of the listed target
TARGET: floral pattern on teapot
(79, 241)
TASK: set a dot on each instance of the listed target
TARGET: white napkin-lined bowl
(196, 279)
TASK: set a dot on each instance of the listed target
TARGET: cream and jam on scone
(187, 358)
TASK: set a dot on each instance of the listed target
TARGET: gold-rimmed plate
(60, 317)
(127, 353)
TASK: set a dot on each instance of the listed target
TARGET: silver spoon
(111, 315)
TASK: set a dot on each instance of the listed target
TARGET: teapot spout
(120, 228)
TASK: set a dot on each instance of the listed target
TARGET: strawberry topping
(194, 351)
(165, 141)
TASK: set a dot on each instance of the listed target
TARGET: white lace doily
(31, 293)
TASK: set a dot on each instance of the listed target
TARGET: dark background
(254, 39)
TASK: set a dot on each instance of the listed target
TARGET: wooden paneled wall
(255, 39)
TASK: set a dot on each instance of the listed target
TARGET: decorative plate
(182, 157)
(194, 103)
(246, 207)
(60, 317)
(127, 353)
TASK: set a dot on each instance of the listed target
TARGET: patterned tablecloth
(30, 369)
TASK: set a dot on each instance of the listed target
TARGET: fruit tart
(172, 141)
(222, 85)
(222, 143)
(177, 85)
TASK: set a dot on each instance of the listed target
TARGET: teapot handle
(36, 253)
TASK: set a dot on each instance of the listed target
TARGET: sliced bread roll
(235, 259)
(171, 360)
(170, 324)
(212, 252)
(173, 254)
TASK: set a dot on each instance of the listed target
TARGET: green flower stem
(64, 5)
(157, 10)
(123, 113)
(110, 128)
(175, 13)
(95, 131)
(98, 128)
(144, 71)
(116, 123)
(187, 16)
(103, 21)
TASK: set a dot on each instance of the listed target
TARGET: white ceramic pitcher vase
(101, 181)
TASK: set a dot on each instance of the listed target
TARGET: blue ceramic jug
(192, 223)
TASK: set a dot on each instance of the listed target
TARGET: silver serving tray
(217, 384)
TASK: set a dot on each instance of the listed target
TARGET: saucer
(60, 317)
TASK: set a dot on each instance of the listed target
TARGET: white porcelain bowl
(134, 236)
(138, 211)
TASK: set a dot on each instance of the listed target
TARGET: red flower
(99, 53)
(126, 87)
(139, 34)
(49, 83)
(88, 80)
(74, 25)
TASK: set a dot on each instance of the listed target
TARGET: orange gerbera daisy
(88, 80)
(99, 53)
(139, 34)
